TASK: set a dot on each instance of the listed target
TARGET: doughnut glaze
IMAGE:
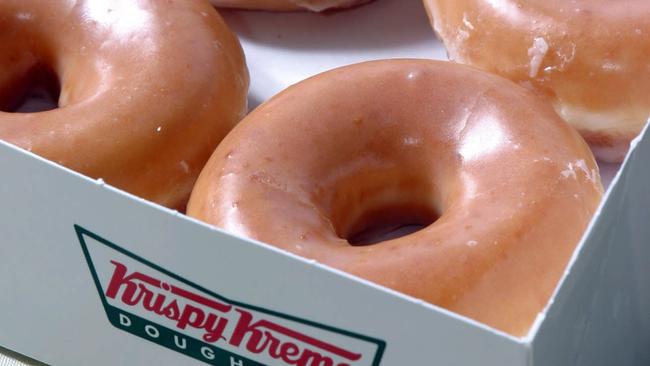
(588, 56)
(148, 88)
(506, 188)
(288, 5)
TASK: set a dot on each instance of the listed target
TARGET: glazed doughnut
(506, 188)
(589, 57)
(288, 5)
(148, 88)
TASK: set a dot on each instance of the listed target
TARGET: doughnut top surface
(147, 88)
(504, 187)
(589, 57)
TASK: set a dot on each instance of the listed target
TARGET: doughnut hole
(28, 81)
(390, 222)
(37, 90)
(383, 205)
(37, 72)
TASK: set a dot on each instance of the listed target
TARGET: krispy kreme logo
(150, 302)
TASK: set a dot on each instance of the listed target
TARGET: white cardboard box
(66, 239)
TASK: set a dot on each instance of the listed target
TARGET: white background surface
(282, 49)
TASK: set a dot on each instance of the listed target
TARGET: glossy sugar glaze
(589, 57)
(512, 186)
(148, 88)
